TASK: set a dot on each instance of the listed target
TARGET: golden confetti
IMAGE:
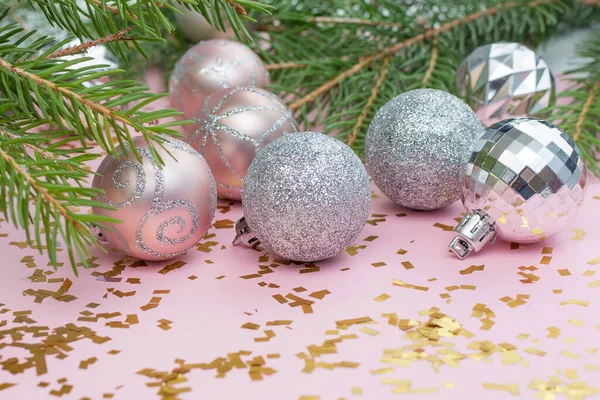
(446, 228)
(398, 282)
(547, 250)
(370, 238)
(564, 272)
(575, 322)
(569, 354)
(250, 325)
(595, 261)
(320, 294)
(536, 352)
(369, 331)
(357, 391)
(407, 265)
(401, 251)
(576, 302)
(545, 260)
(594, 284)
(379, 264)
(381, 371)
(471, 269)
(511, 388)
(382, 297)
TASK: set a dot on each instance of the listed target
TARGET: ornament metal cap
(244, 234)
(474, 231)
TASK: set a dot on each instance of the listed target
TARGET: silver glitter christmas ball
(505, 79)
(165, 211)
(211, 66)
(306, 196)
(232, 126)
(525, 181)
(416, 144)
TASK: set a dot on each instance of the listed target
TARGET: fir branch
(586, 110)
(312, 96)
(432, 62)
(355, 21)
(374, 92)
(118, 36)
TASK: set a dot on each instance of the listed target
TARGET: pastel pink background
(207, 314)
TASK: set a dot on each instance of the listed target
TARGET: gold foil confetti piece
(39, 359)
(161, 292)
(299, 289)
(452, 288)
(113, 352)
(345, 269)
(345, 323)
(279, 322)
(20, 245)
(471, 269)
(510, 357)
(332, 332)
(170, 267)
(381, 371)
(449, 385)
(223, 224)
(401, 251)
(407, 265)
(382, 297)
(83, 364)
(369, 331)
(55, 280)
(570, 354)
(209, 262)
(309, 270)
(594, 284)
(148, 307)
(468, 287)
(307, 309)
(320, 294)
(398, 282)
(576, 302)
(379, 264)
(547, 250)
(370, 238)
(43, 384)
(251, 276)
(309, 397)
(400, 215)
(250, 325)
(564, 272)
(280, 298)
(515, 303)
(164, 327)
(273, 355)
(432, 279)
(220, 277)
(192, 277)
(536, 352)
(511, 388)
(273, 286)
(446, 228)
(357, 391)
(545, 260)
(595, 261)
(554, 332)
(571, 374)
(262, 284)
(575, 322)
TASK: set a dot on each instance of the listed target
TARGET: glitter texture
(306, 196)
(506, 79)
(526, 174)
(232, 126)
(211, 66)
(164, 211)
(416, 144)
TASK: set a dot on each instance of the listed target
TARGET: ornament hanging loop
(244, 234)
(474, 231)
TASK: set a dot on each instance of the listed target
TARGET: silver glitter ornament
(416, 144)
(525, 181)
(165, 211)
(505, 79)
(232, 126)
(211, 66)
(306, 197)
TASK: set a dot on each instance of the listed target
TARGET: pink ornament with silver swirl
(211, 66)
(164, 211)
(232, 126)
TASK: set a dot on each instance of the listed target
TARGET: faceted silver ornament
(525, 181)
(306, 196)
(505, 79)
(416, 144)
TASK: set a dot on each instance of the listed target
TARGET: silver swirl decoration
(140, 180)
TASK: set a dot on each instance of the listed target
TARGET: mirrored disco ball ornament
(211, 66)
(505, 79)
(164, 211)
(416, 144)
(232, 126)
(525, 181)
(306, 197)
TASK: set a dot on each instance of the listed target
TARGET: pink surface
(207, 315)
